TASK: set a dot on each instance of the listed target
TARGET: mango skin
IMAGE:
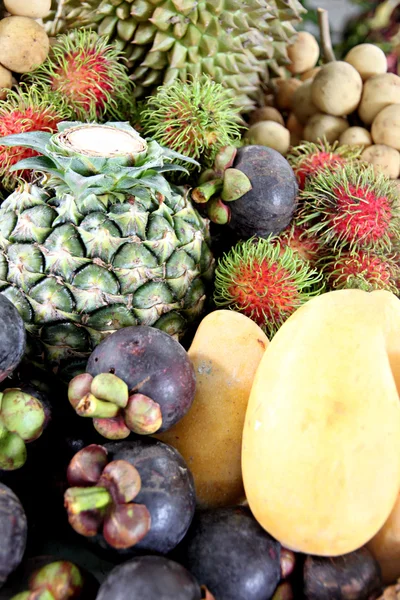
(321, 441)
(226, 351)
(385, 546)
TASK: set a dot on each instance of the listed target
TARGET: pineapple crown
(88, 159)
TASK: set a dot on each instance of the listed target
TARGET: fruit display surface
(199, 302)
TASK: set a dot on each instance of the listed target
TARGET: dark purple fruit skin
(13, 532)
(269, 206)
(12, 337)
(150, 362)
(167, 491)
(150, 578)
(229, 552)
(354, 576)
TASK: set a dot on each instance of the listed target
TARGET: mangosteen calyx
(221, 184)
(60, 580)
(115, 413)
(22, 420)
(101, 498)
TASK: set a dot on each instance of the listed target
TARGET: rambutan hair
(90, 74)
(27, 109)
(299, 240)
(352, 208)
(195, 118)
(309, 158)
(363, 270)
(256, 278)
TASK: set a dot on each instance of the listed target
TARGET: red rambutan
(26, 109)
(308, 159)
(255, 278)
(90, 74)
(362, 270)
(352, 208)
(298, 239)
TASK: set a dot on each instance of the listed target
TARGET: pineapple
(103, 242)
(233, 41)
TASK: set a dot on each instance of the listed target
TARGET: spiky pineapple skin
(234, 41)
(78, 275)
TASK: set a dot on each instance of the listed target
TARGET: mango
(226, 351)
(321, 440)
(385, 546)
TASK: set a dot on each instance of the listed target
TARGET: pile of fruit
(352, 101)
(199, 305)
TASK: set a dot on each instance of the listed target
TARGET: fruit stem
(206, 190)
(91, 498)
(325, 35)
(90, 406)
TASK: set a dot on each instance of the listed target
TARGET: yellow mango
(385, 545)
(321, 441)
(226, 351)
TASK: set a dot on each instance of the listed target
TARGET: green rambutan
(309, 158)
(352, 208)
(27, 109)
(361, 269)
(90, 74)
(265, 284)
(195, 118)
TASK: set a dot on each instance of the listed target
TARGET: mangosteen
(229, 552)
(13, 532)
(150, 578)
(269, 206)
(12, 337)
(353, 576)
(139, 379)
(130, 497)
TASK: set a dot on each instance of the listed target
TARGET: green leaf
(36, 163)
(35, 140)
(167, 152)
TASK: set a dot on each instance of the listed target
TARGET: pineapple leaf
(79, 184)
(168, 167)
(37, 163)
(35, 140)
(157, 183)
(171, 154)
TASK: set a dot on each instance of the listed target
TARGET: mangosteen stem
(12, 450)
(142, 415)
(80, 500)
(23, 414)
(205, 191)
(325, 35)
(90, 406)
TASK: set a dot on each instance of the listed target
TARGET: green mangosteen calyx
(100, 498)
(22, 420)
(221, 184)
(115, 412)
(60, 580)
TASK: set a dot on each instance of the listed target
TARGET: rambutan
(90, 74)
(257, 279)
(361, 269)
(352, 208)
(195, 118)
(309, 158)
(298, 239)
(27, 109)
